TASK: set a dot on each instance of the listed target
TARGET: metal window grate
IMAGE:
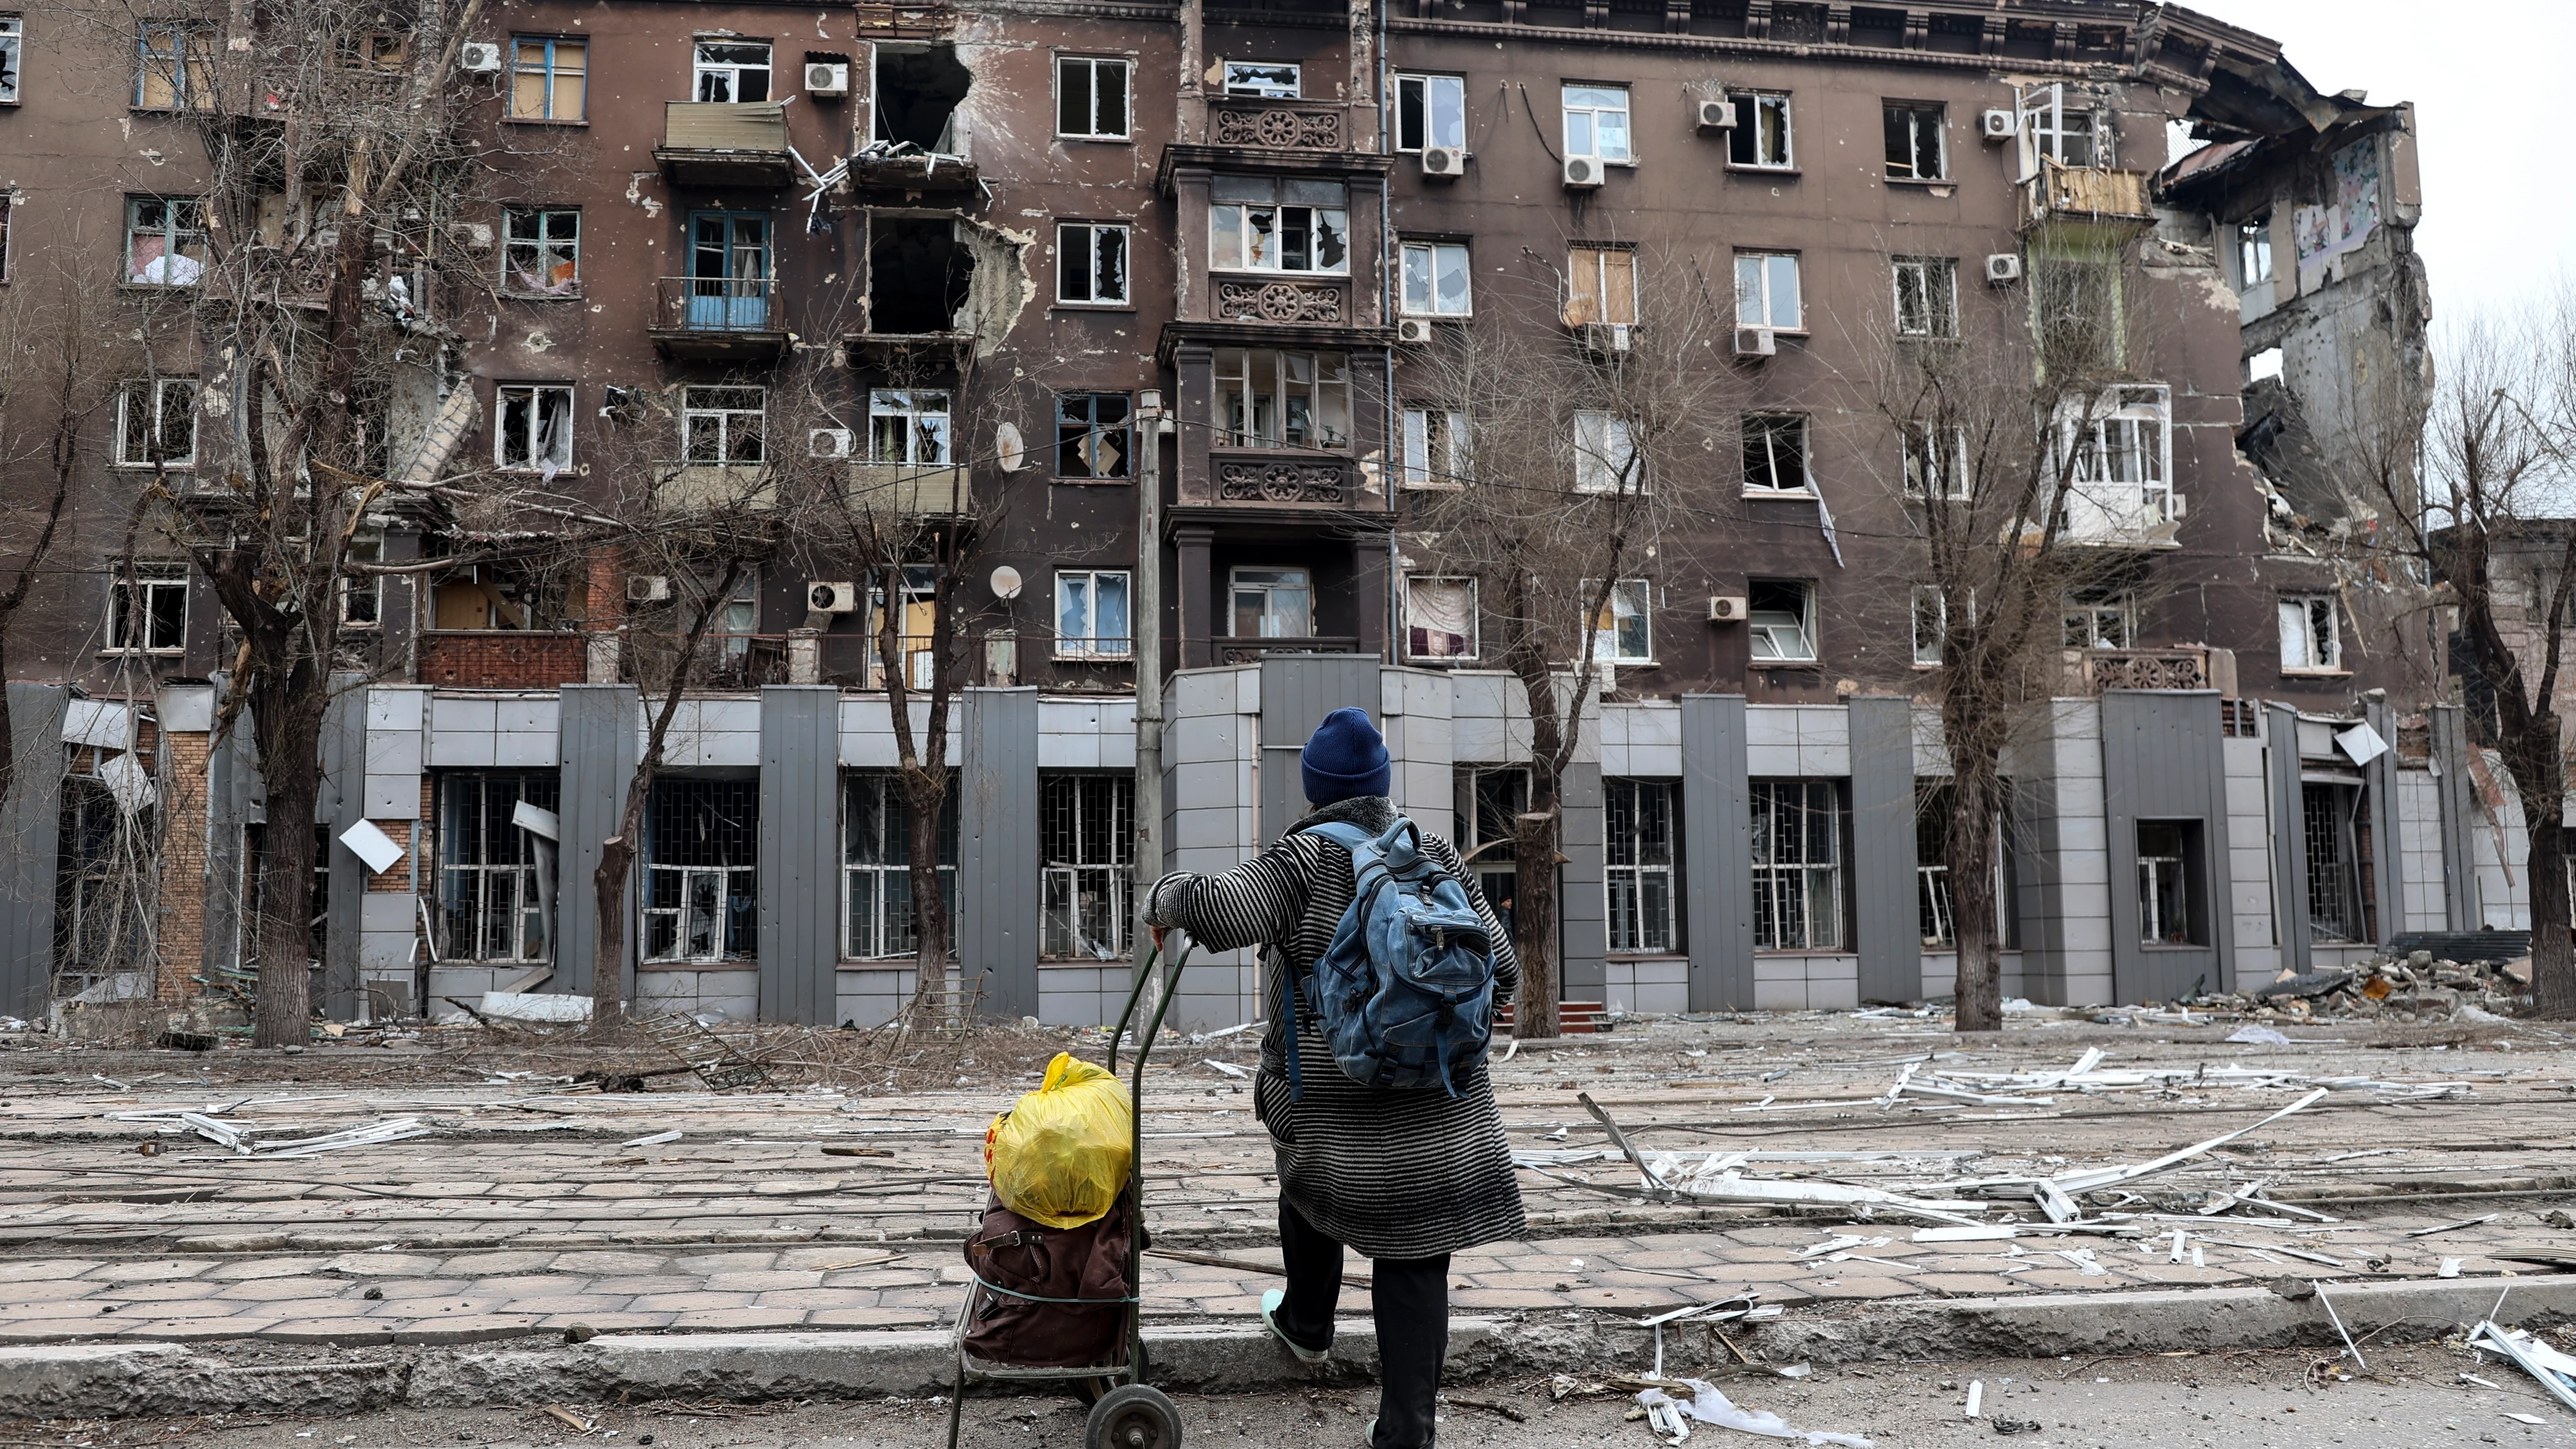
(489, 902)
(1638, 864)
(1086, 830)
(2330, 886)
(1797, 865)
(876, 845)
(701, 853)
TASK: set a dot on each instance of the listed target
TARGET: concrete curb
(117, 1380)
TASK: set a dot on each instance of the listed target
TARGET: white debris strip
(654, 1140)
(1672, 1417)
(1976, 1398)
(2555, 1371)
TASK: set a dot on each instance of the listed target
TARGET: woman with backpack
(1406, 1174)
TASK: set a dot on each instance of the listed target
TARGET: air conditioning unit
(1582, 173)
(647, 589)
(1443, 161)
(1756, 342)
(481, 57)
(1726, 608)
(1413, 330)
(827, 443)
(1603, 339)
(1716, 116)
(2003, 268)
(827, 78)
(832, 598)
(1998, 125)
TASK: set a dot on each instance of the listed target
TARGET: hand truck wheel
(1133, 1416)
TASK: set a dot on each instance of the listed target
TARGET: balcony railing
(910, 489)
(708, 143)
(696, 487)
(1308, 303)
(2087, 196)
(718, 317)
(1284, 478)
(1239, 650)
(1263, 124)
(2101, 669)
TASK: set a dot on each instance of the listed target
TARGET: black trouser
(1411, 1303)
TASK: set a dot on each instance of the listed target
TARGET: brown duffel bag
(1032, 1264)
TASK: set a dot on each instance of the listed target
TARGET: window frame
(1568, 108)
(891, 936)
(1072, 889)
(2253, 239)
(1607, 460)
(1607, 287)
(2096, 434)
(1420, 90)
(1231, 225)
(700, 406)
(1094, 234)
(1421, 442)
(1937, 284)
(1646, 917)
(1770, 427)
(703, 70)
(2098, 606)
(1431, 250)
(456, 839)
(173, 235)
(908, 402)
(1914, 114)
(535, 395)
(1758, 634)
(552, 74)
(1474, 637)
(1254, 89)
(2312, 608)
(1766, 275)
(160, 391)
(1328, 393)
(189, 59)
(13, 72)
(1094, 435)
(1091, 65)
(1745, 138)
(1607, 638)
(538, 247)
(1236, 584)
(1929, 606)
(364, 547)
(2183, 879)
(150, 579)
(1766, 798)
(1092, 645)
(1920, 455)
(2043, 130)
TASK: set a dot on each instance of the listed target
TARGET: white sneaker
(1270, 1302)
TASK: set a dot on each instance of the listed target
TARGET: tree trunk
(925, 792)
(1975, 914)
(2540, 778)
(1534, 1014)
(287, 716)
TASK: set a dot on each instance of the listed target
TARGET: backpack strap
(1355, 840)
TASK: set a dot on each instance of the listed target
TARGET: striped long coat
(1409, 1173)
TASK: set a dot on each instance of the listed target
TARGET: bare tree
(1550, 475)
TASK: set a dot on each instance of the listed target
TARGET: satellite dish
(1006, 579)
(1007, 449)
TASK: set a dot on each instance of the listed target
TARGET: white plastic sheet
(1672, 1416)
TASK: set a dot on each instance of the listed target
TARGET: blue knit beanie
(1346, 756)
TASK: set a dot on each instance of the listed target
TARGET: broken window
(492, 905)
(1596, 122)
(1623, 632)
(1775, 452)
(174, 66)
(541, 251)
(876, 852)
(147, 611)
(1936, 468)
(1797, 865)
(1274, 79)
(2336, 835)
(1091, 98)
(1272, 603)
(2166, 908)
(1087, 835)
(1916, 142)
(156, 423)
(1436, 279)
(1605, 454)
(1093, 434)
(1091, 263)
(377, 52)
(917, 275)
(1600, 286)
(701, 844)
(1264, 224)
(1637, 875)
(1430, 110)
(1780, 617)
(1935, 901)
(2122, 469)
(102, 918)
(1760, 137)
(1091, 614)
(1272, 399)
(362, 595)
(493, 596)
(1927, 296)
(1487, 804)
(1931, 624)
(918, 91)
(2098, 617)
(729, 271)
(549, 78)
(534, 432)
(1766, 291)
(2254, 252)
(723, 424)
(165, 241)
(1439, 618)
(1435, 448)
(2310, 638)
(2052, 129)
(909, 426)
(12, 41)
(730, 72)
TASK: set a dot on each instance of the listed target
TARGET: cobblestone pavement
(528, 1208)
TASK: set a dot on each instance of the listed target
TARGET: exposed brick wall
(183, 865)
(500, 658)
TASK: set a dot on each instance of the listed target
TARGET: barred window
(1638, 877)
(491, 905)
(1797, 865)
(876, 855)
(1087, 833)
(702, 849)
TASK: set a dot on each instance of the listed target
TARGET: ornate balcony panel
(1313, 302)
(1271, 125)
(1277, 479)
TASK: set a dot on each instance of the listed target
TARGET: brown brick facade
(500, 659)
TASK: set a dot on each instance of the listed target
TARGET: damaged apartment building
(1004, 261)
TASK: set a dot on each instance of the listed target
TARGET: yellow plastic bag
(1060, 1157)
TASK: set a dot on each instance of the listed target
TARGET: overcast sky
(2489, 79)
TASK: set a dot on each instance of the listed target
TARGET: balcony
(707, 143)
(1265, 124)
(2087, 196)
(1324, 304)
(883, 167)
(722, 319)
(502, 658)
(910, 490)
(1285, 478)
(687, 487)
(2095, 670)
(1239, 650)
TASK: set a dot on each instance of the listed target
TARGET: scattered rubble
(2416, 987)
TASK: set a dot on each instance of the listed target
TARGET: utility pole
(1145, 625)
